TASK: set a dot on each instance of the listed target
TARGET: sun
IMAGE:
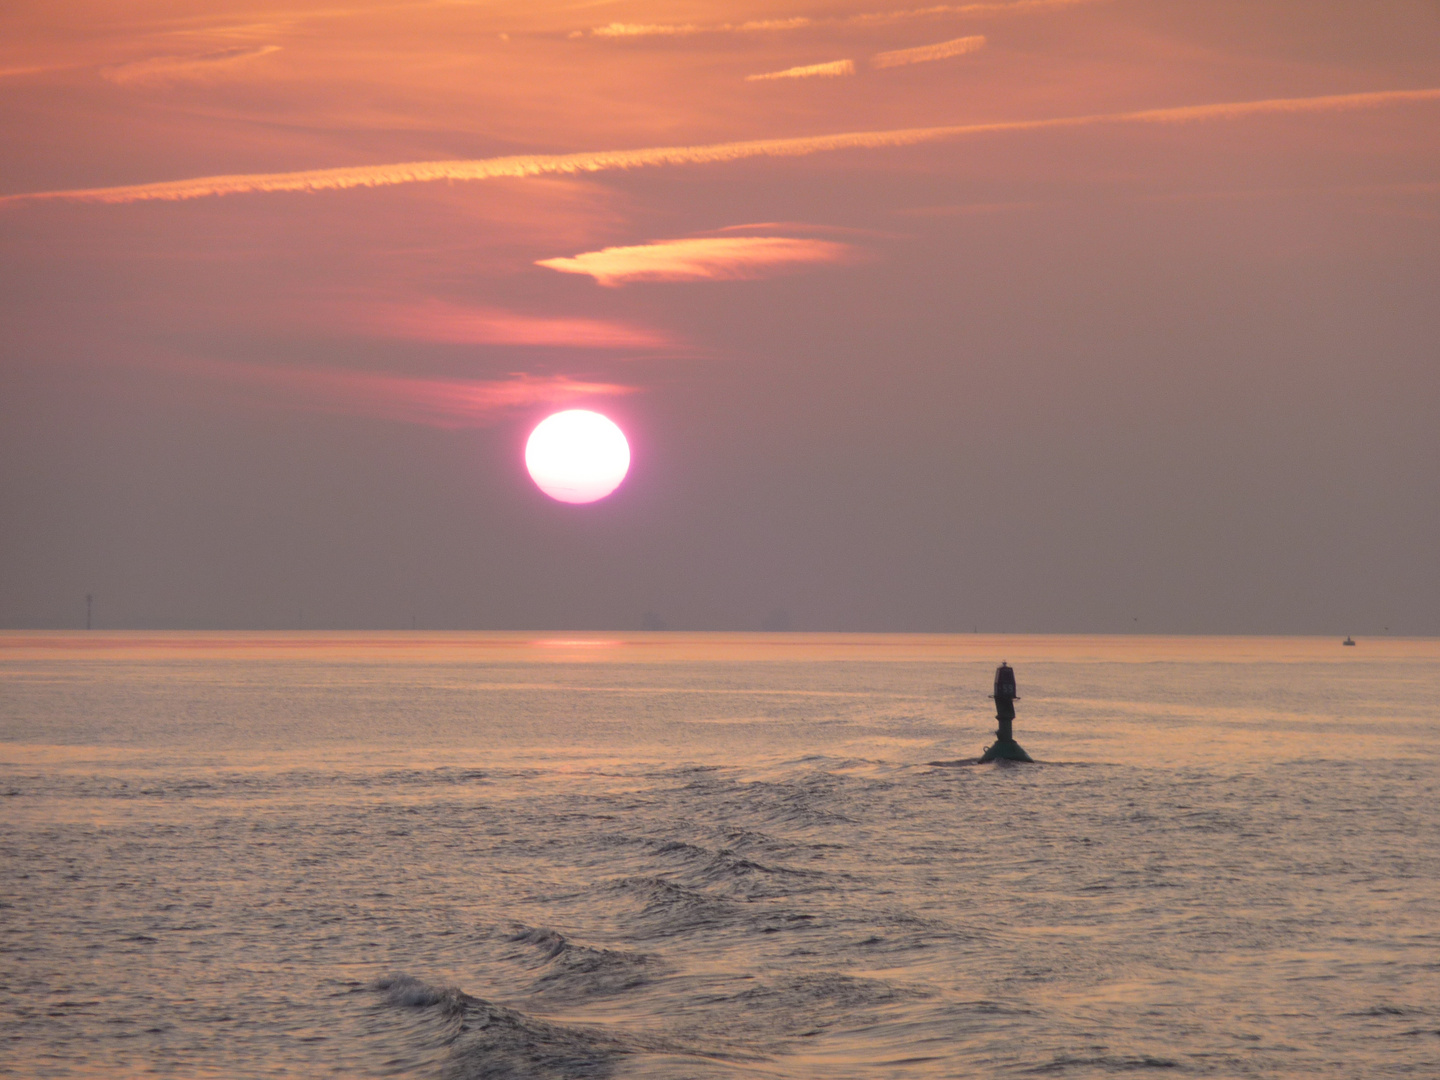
(577, 456)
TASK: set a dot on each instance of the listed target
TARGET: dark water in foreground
(716, 856)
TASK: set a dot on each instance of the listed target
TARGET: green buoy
(1005, 748)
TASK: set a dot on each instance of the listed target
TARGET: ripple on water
(510, 878)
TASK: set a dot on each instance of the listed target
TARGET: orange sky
(1040, 315)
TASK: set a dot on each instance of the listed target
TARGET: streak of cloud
(436, 321)
(805, 226)
(925, 53)
(629, 30)
(714, 258)
(167, 69)
(31, 69)
(1015, 7)
(440, 403)
(715, 153)
(625, 30)
(808, 71)
(870, 18)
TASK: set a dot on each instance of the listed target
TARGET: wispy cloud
(632, 30)
(31, 69)
(158, 70)
(924, 53)
(712, 258)
(1014, 7)
(439, 403)
(804, 226)
(610, 160)
(437, 321)
(808, 71)
(867, 18)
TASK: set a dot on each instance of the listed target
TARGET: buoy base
(1005, 750)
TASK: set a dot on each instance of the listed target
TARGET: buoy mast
(1005, 747)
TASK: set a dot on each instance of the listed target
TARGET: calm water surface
(366, 855)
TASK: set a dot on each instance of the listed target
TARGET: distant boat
(1348, 640)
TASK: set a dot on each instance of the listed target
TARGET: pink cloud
(435, 320)
(712, 258)
(441, 403)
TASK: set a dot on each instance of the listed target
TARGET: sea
(556, 855)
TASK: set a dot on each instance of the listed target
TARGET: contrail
(809, 71)
(1011, 7)
(613, 160)
(925, 53)
(800, 22)
(623, 30)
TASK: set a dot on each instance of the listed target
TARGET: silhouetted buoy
(1005, 748)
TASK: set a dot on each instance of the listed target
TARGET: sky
(1026, 316)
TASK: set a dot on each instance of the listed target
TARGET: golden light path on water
(717, 855)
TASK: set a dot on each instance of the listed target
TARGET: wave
(1104, 1064)
(672, 908)
(574, 972)
(481, 1039)
(765, 1018)
(721, 867)
(458, 1036)
(812, 800)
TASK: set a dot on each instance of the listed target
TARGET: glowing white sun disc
(577, 456)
